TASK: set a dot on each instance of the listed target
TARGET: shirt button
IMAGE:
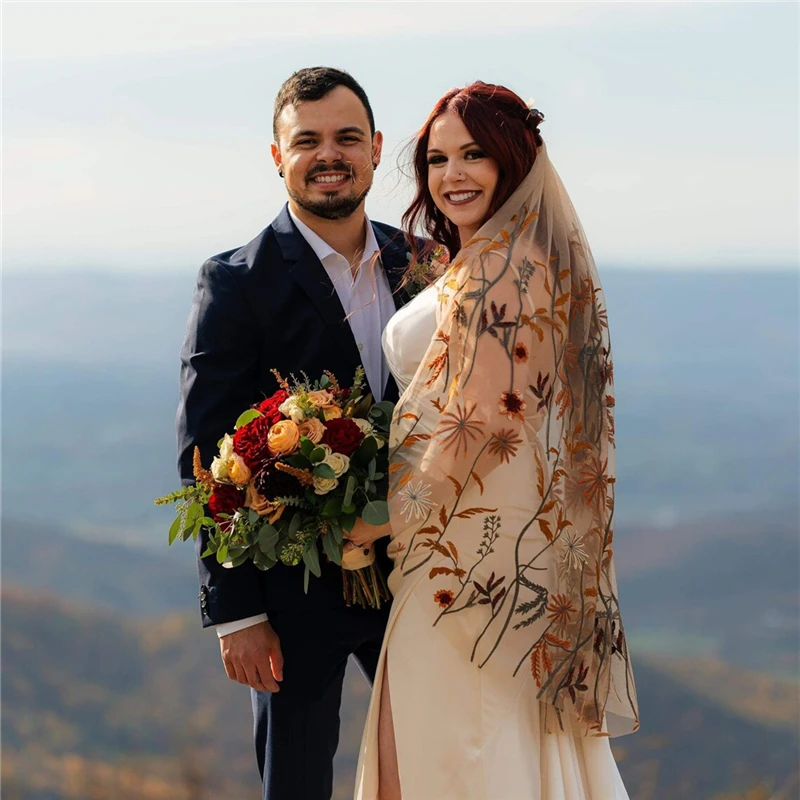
(360, 346)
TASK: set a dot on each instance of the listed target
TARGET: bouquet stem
(365, 587)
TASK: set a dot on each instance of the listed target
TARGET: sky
(136, 135)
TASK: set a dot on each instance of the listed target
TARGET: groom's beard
(335, 206)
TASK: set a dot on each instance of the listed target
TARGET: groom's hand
(252, 656)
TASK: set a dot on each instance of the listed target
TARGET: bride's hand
(364, 534)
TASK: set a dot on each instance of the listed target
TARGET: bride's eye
(436, 160)
(475, 154)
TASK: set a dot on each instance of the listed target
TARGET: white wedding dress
(465, 733)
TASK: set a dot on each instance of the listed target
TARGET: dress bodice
(408, 335)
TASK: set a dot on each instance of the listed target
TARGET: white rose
(226, 448)
(325, 485)
(368, 430)
(338, 463)
(289, 408)
(219, 469)
(365, 426)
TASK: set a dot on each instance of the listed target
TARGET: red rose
(224, 499)
(269, 408)
(342, 436)
(250, 441)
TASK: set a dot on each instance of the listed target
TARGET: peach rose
(332, 412)
(283, 438)
(238, 471)
(321, 399)
(313, 429)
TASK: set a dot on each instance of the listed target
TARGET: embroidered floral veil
(502, 474)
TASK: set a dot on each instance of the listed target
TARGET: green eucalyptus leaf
(174, 529)
(324, 471)
(222, 554)
(348, 521)
(297, 460)
(332, 549)
(208, 552)
(248, 416)
(376, 512)
(311, 560)
(366, 451)
(268, 538)
(306, 446)
(351, 487)
(324, 382)
(294, 525)
(338, 533)
(332, 508)
(306, 573)
(208, 522)
(317, 455)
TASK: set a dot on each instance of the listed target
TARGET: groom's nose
(329, 151)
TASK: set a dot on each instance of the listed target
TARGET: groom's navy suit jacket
(268, 305)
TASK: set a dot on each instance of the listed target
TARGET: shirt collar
(323, 250)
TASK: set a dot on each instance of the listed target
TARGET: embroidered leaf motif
(556, 642)
(546, 662)
(546, 529)
(443, 516)
(453, 550)
(429, 529)
(477, 479)
(410, 416)
(441, 571)
(434, 545)
(563, 299)
(459, 487)
(563, 274)
(471, 512)
(535, 670)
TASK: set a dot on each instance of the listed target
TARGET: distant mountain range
(706, 388)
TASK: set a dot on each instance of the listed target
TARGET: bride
(505, 666)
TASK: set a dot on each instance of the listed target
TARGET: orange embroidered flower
(444, 597)
(504, 443)
(560, 609)
(457, 428)
(593, 481)
(512, 405)
(520, 353)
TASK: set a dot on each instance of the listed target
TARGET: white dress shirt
(368, 305)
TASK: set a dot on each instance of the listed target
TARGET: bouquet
(292, 479)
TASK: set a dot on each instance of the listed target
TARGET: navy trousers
(297, 728)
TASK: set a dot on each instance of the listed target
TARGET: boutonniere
(421, 274)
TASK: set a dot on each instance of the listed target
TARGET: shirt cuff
(224, 628)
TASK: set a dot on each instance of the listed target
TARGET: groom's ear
(377, 149)
(277, 157)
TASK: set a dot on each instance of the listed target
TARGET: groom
(312, 292)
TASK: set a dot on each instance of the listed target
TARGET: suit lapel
(307, 271)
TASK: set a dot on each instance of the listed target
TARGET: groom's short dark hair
(313, 83)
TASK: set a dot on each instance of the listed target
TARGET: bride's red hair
(503, 127)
